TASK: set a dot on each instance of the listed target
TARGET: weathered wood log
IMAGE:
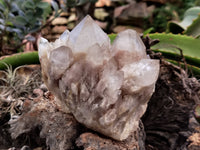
(169, 119)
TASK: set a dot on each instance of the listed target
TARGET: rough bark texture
(58, 128)
(169, 119)
(135, 141)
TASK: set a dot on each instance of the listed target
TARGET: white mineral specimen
(105, 87)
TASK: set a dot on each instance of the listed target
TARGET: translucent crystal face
(82, 41)
(106, 87)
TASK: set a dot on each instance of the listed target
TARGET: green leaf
(149, 30)
(194, 28)
(189, 16)
(2, 4)
(43, 5)
(28, 4)
(9, 29)
(170, 42)
(34, 29)
(46, 12)
(16, 30)
(55, 6)
(14, 7)
(11, 15)
(112, 37)
(174, 27)
(38, 13)
(71, 3)
(19, 59)
(29, 16)
(2, 8)
(19, 20)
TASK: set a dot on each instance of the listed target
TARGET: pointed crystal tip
(42, 47)
(86, 34)
(64, 37)
(42, 40)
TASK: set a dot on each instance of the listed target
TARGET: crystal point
(60, 59)
(106, 88)
(129, 40)
(128, 47)
(86, 34)
(140, 74)
(65, 36)
(43, 47)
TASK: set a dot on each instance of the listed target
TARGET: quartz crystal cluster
(106, 87)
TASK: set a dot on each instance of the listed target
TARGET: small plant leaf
(11, 15)
(55, 6)
(13, 30)
(29, 15)
(194, 28)
(189, 16)
(147, 31)
(112, 37)
(28, 4)
(2, 4)
(38, 13)
(43, 5)
(2, 8)
(71, 3)
(19, 20)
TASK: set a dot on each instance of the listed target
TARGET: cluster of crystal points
(106, 87)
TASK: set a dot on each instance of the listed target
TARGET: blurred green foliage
(169, 11)
(161, 16)
(19, 18)
(190, 24)
(181, 7)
